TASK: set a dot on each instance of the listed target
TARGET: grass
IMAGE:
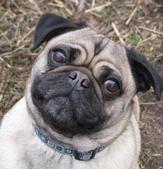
(135, 39)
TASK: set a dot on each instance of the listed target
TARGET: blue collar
(82, 156)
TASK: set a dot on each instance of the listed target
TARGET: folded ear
(144, 73)
(51, 25)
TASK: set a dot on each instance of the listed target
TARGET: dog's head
(82, 83)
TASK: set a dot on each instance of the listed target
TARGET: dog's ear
(144, 73)
(51, 25)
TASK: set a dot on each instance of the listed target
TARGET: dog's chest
(29, 152)
(38, 156)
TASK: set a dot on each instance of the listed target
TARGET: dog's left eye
(112, 87)
(57, 56)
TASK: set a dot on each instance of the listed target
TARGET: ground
(136, 23)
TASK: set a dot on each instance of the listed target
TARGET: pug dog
(80, 109)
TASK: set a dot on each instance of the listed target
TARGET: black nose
(79, 80)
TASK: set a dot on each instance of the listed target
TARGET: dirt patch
(152, 128)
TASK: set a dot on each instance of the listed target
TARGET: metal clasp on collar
(85, 156)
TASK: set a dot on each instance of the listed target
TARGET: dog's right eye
(57, 56)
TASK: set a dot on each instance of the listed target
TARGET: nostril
(72, 75)
(85, 83)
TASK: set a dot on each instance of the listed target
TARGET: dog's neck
(64, 149)
(79, 143)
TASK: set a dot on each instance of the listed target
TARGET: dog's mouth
(68, 105)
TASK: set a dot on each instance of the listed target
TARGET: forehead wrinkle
(106, 62)
(112, 53)
(111, 65)
(81, 45)
(99, 46)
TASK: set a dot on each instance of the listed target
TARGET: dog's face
(82, 83)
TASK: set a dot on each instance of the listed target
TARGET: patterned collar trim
(82, 156)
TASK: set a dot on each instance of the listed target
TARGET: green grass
(8, 86)
(134, 39)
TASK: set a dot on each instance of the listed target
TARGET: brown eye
(112, 86)
(57, 56)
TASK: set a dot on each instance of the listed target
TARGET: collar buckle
(84, 156)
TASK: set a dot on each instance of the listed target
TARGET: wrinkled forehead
(97, 46)
(99, 50)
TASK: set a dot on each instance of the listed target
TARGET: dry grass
(137, 23)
